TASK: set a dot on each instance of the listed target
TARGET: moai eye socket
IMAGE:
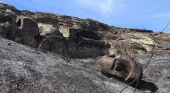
(118, 65)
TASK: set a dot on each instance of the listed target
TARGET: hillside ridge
(45, 52)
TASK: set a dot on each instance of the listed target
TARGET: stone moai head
(121, 68)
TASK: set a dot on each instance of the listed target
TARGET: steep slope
(24, 69)
(62, 34)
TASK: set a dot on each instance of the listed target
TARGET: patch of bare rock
(35, 48)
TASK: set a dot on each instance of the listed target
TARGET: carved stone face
(121, 68)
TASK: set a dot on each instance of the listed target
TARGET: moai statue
(121, 68)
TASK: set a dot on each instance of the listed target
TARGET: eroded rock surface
(156, 72)
(45, 31)
(26, 69)
(51, 31)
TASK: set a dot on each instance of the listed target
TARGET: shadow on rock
(144, 85)
(148, 86)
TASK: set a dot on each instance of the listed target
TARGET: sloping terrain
(62, 34)
(48, 41)
(27, 70)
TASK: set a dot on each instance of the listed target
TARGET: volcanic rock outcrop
(54, 38)
(62, 34)
(27, 70)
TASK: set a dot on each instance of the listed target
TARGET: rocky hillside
(51, 31)
(88, 41)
